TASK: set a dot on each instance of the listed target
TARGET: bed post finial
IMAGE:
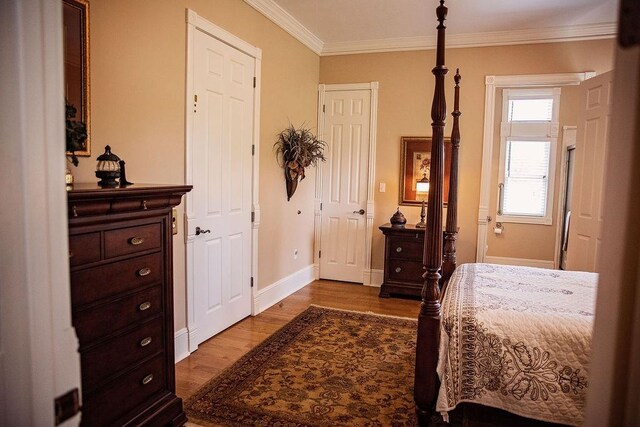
(451, 232)
(425, 390)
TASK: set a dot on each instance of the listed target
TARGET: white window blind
(526, 178)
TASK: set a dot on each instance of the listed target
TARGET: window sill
(514, 219)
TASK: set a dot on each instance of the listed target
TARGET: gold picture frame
(415, 165)
(77, 87)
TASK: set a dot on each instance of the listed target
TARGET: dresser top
(94, 191)
(407, 228)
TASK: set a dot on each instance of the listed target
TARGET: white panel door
(222, 177)
(591, 150)
(344, 185)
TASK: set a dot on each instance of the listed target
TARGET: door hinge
(253, 216)
(66, 406)
(319, 254)
(255, 82)
(252, 281)
(320, 206)
(323, 108)
(253, 149)
(195, 98)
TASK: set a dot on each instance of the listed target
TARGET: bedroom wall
(540, 239)
(138, 67)
(406, 91)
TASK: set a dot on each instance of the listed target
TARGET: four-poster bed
(513, 338)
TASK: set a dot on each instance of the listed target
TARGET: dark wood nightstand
(403, 267)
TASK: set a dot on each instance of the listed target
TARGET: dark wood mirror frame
(414, 149)
(76, 63)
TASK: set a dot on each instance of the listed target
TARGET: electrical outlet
(295, 254)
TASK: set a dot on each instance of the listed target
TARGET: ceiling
(332, 27)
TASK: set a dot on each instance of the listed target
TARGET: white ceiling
(350, 26)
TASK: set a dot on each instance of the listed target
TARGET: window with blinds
(527, 155)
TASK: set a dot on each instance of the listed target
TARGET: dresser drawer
(131, 240)
(402, 248)
(406, 271)
(117, 354)
(95, 283)
(97, 322)
(84, 248)
(129, 391)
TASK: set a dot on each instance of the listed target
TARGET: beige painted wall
(406, 90)
(138, 66)
(530, 241)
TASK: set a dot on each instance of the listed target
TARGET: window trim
(507, 133)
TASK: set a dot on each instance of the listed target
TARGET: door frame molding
(492, 83)
(372, 87)
(195, 23)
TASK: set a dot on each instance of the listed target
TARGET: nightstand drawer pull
(136, 241)
(144, 271)
(145, 342)
(146, 380)
(398, 269)
(399, 249)
(144, 306)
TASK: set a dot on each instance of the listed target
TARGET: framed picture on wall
(415, 168)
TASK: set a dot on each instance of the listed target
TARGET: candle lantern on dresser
(120, 255)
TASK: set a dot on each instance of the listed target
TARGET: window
(529, 134)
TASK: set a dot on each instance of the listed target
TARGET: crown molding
(287, 22)
(494, 38)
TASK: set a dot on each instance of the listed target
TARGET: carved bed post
(425, 390)
(451, 232)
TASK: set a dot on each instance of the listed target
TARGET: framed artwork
(76, 64)
(415, 168)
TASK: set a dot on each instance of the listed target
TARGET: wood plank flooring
(219, 352)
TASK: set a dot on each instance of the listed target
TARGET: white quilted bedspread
(519, 339)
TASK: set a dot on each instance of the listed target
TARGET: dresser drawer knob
(398, 269)
(399, 249)
(146, 380)
(136, 241)
(144, 271)
(144, 205)
(70, 254)
(144, 306)
(145, 342)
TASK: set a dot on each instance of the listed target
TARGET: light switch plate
(174, 221)
(383, 187)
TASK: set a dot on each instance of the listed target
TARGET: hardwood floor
(219, 352)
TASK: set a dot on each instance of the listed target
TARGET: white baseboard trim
(181, 340)
(373, 278)
(519, 261)
(281, 289)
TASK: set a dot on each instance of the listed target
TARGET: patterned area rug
(324, 368)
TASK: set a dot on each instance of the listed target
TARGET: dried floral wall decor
(297, 149)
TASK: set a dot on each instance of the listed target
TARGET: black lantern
(108, 168)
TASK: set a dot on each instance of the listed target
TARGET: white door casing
(222, 122)
(344, 185)
(492, 83)
(589, 170)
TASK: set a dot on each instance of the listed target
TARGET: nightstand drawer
(106, 405)
(406, 271)
(401, 248)
(121, 352)
(131, 240)
(97, 322)
(84, 248)
(93, 284)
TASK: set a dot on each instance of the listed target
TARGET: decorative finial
(441, 13)
(457, 77)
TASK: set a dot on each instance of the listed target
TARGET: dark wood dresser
(120, 254)
(403, 266)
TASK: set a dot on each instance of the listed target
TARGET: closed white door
(588, 179)
(344, 185)
(222, 176)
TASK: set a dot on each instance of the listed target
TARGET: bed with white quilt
(518, 339)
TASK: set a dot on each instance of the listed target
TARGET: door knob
(361, 212)
(200, 231)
